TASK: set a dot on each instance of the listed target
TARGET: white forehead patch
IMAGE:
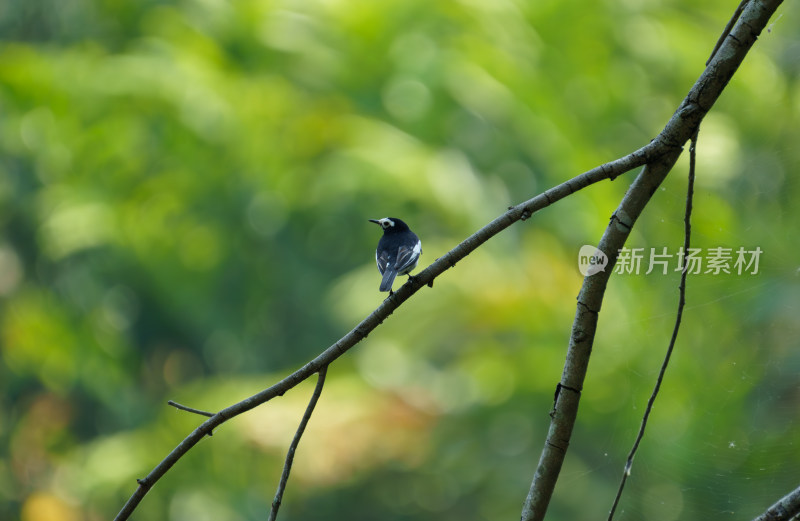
(386, 222)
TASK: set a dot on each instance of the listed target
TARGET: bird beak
(376, 221)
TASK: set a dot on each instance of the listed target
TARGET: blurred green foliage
(184, 195)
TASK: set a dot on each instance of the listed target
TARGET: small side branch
(287, 466)
(189, 409)
(681, 303)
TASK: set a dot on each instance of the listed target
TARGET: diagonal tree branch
(522, 211)
(680, 128)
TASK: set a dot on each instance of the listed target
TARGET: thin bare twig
(287, 466)
(679, 315)
(189, 409)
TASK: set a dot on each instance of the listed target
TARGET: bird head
(390, 224)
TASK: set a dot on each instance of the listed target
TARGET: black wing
(382, 260)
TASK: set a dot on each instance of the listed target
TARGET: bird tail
(388, 279)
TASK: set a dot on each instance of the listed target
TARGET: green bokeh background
(184, 195)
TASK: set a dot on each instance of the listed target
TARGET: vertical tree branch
(681, 127)
(583, 330)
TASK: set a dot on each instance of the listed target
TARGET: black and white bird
(398, 250)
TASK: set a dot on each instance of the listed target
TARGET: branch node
(622, 221)
(557, 447)
(587, 308)
(609, 172)
(558, 392)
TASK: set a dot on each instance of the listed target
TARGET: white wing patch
(407, 259)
